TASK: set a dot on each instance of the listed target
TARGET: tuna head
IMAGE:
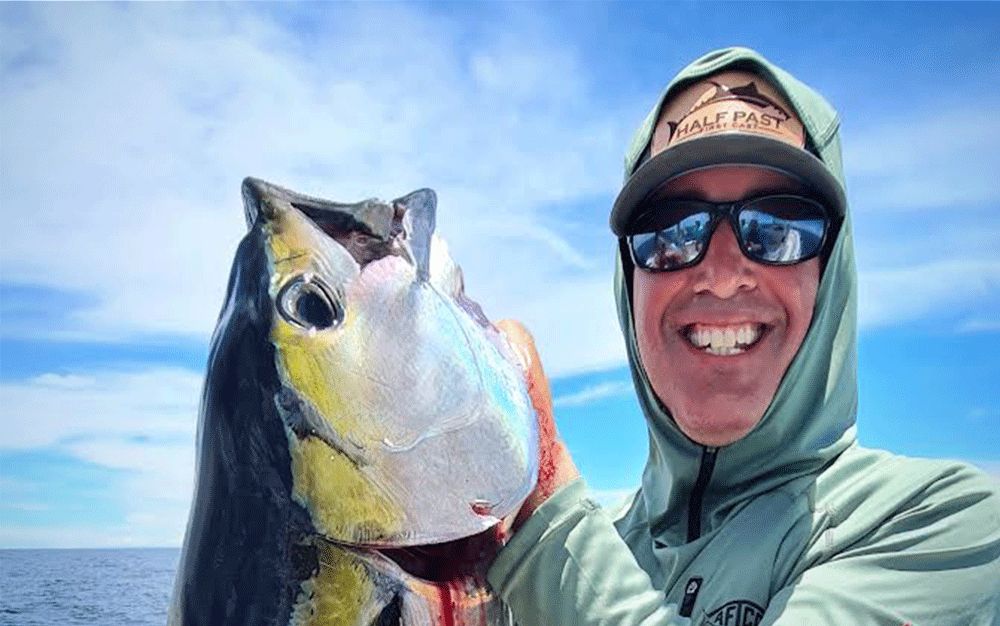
(362, 427)
(406, 412)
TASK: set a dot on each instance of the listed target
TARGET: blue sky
(125, 131)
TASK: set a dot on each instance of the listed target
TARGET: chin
(713, 431)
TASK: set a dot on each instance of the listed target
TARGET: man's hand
(555, 466)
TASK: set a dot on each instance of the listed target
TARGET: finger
(519, 339)
(555, 466)
(538, 382)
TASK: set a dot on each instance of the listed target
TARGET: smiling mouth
(723, 340)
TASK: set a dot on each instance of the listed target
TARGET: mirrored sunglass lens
(673, 246)
(777, 239)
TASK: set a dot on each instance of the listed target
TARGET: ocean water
(108, 587)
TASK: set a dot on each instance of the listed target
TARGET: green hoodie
(795, 524)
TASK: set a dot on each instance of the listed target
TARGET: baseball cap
(734, 107)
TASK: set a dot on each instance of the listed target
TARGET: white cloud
(159, 471)
(611, 498)
(921, 176)
(141, 423)
(157, 492)
(926, 290)
(23, 495)
(86, 536)
(595, 392)
(937, 154)
(128, 129)
(159, 403)
(978, 325)
(574, 322)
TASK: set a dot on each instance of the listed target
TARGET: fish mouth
(368, 230)
(444, 562)
(435, 563)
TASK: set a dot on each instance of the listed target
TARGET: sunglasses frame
(730, 212)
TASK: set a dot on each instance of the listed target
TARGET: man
(756, 506)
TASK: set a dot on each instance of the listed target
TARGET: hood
(811, 418)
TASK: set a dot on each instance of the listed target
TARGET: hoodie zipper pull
(698, 492)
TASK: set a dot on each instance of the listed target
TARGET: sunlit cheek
(808, 287)
(641, 309)
(796, 287)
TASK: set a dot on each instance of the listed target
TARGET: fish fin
(392, 614)
(253, 189)
(419, 211)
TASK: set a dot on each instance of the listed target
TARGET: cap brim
(725, 149)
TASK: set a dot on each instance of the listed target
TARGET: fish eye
(305, 302)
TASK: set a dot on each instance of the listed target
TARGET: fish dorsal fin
(417, 214)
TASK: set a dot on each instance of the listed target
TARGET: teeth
(724, 340)
(700, 338)
(743, 335)
(728, 338)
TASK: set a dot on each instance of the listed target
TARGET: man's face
(717, 399)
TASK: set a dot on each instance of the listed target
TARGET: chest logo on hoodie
(735, 613)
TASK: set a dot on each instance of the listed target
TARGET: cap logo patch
(741, 108)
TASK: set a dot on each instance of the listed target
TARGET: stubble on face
(717, 399)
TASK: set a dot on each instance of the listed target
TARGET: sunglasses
(674, 234)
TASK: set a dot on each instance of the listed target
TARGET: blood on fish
(546, 444)
(541, 400)
(453, 575)
(482, 508)
(447, 606)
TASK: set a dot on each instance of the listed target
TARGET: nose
(725, 270)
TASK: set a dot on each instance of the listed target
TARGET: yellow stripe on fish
(340, 594)
(342, 500)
